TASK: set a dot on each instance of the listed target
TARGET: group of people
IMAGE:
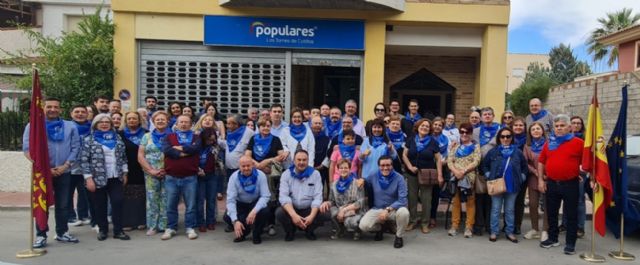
(387, 174)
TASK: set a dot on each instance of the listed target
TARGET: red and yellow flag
(594, 160)
(42, 196)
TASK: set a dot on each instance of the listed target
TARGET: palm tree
(611, 23)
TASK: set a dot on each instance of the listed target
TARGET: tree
(537, 87)
(564, 65)
(611, 23)
(77, 66)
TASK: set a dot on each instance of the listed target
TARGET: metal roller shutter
(235, 79)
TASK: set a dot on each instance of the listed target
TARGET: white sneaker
(85, 221)
(96, 228)
(168, 234)
(191, 233)
(453, 232)
(74, 222)
(151, 232)
(544, 236)
(532, 234)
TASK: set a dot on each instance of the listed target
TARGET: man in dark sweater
(181, 160)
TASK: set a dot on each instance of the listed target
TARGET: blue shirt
(235, 193)
(59, 152)
(277, 130)
(395, 196)
(370, 162)
(302, 194)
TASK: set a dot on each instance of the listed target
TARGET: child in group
(345, 150)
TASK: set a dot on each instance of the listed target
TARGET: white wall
(56, 13)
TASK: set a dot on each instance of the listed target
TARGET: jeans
(112, 194)
(582, 209)
(497, 201)
(483, 212)
(557, 192)
(187, 188)
(207, 189)
(61, 187)
(82, 209)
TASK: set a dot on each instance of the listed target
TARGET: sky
(536, 26)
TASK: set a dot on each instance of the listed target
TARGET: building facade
(448, 54)
(517, 64)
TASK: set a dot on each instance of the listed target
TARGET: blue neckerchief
(477, 125)
(488, 132)
(184, 137)
(556, 141)
(84, 128)
(397, 138)
(297, 131)
(172, 121)
(107, 138)
(413, 120)
(465, 150)
(302, 175)
(55, 130)
(347, 151)
(579, 135)
(204, 155)
(421, 144)
(520, 140)
(443, 144)
(134, 137)
(249, 183)
(233, 138)
(332, 128)
(261, 146)
(343, 184)
(537, 144)
(376, 141)
(506, 151)
(539, 115)
(158, 137)
(385, 182)
(355, 120)
(449, 127)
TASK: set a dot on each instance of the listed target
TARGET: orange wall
(627, 57)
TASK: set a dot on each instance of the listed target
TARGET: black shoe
(378, 236)
(512, 238)
(102, 236)
(493, 238)
(569, 250)
(398, 242)
(289, 236)
(257, 240)
(310, 235)
(121, 236)
(580, 233)
(239, 239)
(517, 231)
(228, 229)
(477, 231)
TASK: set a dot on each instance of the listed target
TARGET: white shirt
(290, 144)
(110, 161)
(231, 159)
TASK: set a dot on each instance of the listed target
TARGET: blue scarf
(302, 175)
(134, 137)
(204, 155)
(332, 128)
(172, 121)
(539, 115)
(233, 138)
(488, 132)
(506, 151)
(449, 127)
(343, 184)
(520, 140)
(537, 144)
(397, 138)
(477, 125)
(385, 182)
(297, 131)
(107, 138)
(465, 150)
(556, 141)
(184, 137)
(83, 128)
(261, 146)
(508, 176)
(355, 120)
(376, 141)
(421, 144)
(158, 137)
(443, 144)
(347, 151)
(249, 183)
(413, 120)
(55, 130)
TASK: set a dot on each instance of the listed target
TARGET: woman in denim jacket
(104, 166)
(493, 167)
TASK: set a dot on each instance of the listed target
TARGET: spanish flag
(594, 160)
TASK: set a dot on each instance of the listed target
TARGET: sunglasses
(508, 117)
(379, 110)
(505, 136)
(463, 132)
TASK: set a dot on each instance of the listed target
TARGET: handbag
(426, 176)
(497, 186)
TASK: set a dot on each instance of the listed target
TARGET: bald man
(247, 198)
(539, 114)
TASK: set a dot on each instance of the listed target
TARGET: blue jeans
(61, 187)
(207, 189)
(187, 187)
(509, 201)
(82, 207)
(582, 209)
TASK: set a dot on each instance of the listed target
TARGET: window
(638, 55)
(517, 72)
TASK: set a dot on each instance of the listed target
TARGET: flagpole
(621, 255)
(592, 256)
(31, 252)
